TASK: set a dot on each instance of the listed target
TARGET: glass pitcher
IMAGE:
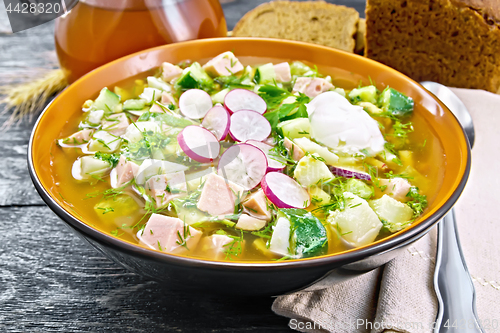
(95, 32)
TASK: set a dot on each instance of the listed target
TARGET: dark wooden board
(51, 281)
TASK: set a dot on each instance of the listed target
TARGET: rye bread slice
(311, 21)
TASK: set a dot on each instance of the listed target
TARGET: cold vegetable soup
(232, 161)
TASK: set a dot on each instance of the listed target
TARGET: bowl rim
(334, 259)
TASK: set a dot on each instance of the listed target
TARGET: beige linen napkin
(399, 297)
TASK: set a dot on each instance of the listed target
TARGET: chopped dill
(106, 209)
(234, 248)
(116, 232)
(417, 201)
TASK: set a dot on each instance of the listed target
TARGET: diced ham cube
(125, 171)
(170, 72)
(295, 150)
(78, 138)
(214, 247)
(156, 109)
(283, 73)
(224, 64)
(164, 188)
(249, 223)
(312, 87)
(169, 234)
(397, 188)
(218, 196)
(256, 206)
(167, 99)
(115, 124)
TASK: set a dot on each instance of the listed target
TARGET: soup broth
(364, 182)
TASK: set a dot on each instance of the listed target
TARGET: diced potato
(381, 166)
(134, 132)
(88, 167)
(369, 107)
(150, 95)
(312, 147)
(280, 241)
(310, 171)
(417, 179)
(319, 197)
(214, 246)
(95, 117)
(104, 142)
(387, 156)
(357, 224)
(406, 156)
(396, 213)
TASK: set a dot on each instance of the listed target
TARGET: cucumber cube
(295, 128)
(358, 188)
(396, 103)
(265, 74)
(194, 77)
(107, 101)
(134, 104)
(364, 94)
(309, 236)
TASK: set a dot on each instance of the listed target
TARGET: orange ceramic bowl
(253, 278)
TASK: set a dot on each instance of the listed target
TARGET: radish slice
(249, 125)
(195, 103)
(347, 173)
(242, 99)
(217, 121)
(199, 144)
(274, 161)
(284, 191)
(243, 164)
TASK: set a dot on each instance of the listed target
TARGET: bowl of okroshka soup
(248, 166)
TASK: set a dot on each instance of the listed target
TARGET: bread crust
(435, 40)
(488, 8)
(310, 21)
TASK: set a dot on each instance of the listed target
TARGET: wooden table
(51, 281)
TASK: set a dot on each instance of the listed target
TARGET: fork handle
(452, 283)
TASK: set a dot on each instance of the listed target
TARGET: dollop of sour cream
(338, 124)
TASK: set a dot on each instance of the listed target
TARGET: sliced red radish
(243, 164)
(195, 103)
(217, 121)
(274, 161)
(249, 125)
(284, 191)
(242, 99)
(199, 144)
(348, 173)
